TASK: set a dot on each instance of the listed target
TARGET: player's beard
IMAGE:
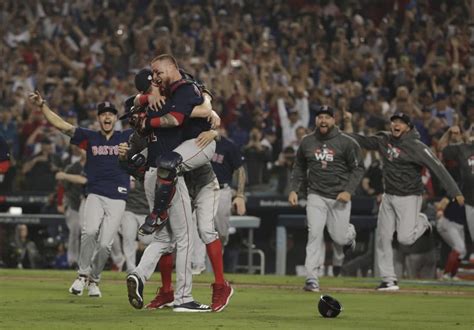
(165, 87)
(325, 129)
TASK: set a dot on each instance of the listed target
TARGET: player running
(107, 189)
(404, 156)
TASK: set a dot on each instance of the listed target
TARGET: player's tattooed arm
(239, 200)
(172, 119)
(51, 116)
(168, 120)
(240, 177)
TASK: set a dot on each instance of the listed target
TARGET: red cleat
(221, 294)
(162, 299)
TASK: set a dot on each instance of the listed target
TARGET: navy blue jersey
(226, 160)
(104, 175)
(455, 213)
(181, 101)
(195, 126)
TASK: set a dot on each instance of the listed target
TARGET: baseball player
(202, 182)
(188, 155)
(73, 194)
(107, 189)
(329, 163)
(226, 163)
(459, 155)
(136, 210)
(404, 156)
(451, 219)
(166, 133)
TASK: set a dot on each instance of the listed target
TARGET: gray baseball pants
(400, 214)
(322, 211)
(73, 223)
(102, 217)
(222, 220)
(180, 214)
(453, 234)
(205, 206)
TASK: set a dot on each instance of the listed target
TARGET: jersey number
(152, 137)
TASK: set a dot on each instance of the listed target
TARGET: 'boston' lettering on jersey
(104, 150)
(216, 158)
(105, 177)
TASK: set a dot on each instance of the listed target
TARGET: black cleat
(388, 286)
(191, 307)
(135, 291)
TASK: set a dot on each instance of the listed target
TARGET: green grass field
(39, 300)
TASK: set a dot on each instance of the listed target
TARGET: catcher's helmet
(329, 307)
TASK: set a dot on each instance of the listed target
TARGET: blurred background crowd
(270, 65)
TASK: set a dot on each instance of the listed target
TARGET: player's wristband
(143, 99)
(153, 122)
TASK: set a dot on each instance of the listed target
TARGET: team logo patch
(393, 152)
(324, 155)
(218, 158)
(122, 190)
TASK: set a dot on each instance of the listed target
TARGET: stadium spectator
(39, 171)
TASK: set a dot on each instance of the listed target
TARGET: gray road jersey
(403, 160)
(329, 164)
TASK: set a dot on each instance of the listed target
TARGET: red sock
(452, 264)
(166, 269)
(214, 252)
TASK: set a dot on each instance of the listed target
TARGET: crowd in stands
(270, 65)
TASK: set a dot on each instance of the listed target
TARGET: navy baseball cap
(403, 117)
(143, 80)
(128, 107)
(325, 109)
(106, 107)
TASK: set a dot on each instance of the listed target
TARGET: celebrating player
(458, 155)
(329, 163)
(107, 188)
(166, 132)
(227, 162)
(404, 156)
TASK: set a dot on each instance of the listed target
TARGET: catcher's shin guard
(168, 165)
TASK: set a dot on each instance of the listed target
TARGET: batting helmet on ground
(329, 307)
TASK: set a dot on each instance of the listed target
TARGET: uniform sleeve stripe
(179, 116)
